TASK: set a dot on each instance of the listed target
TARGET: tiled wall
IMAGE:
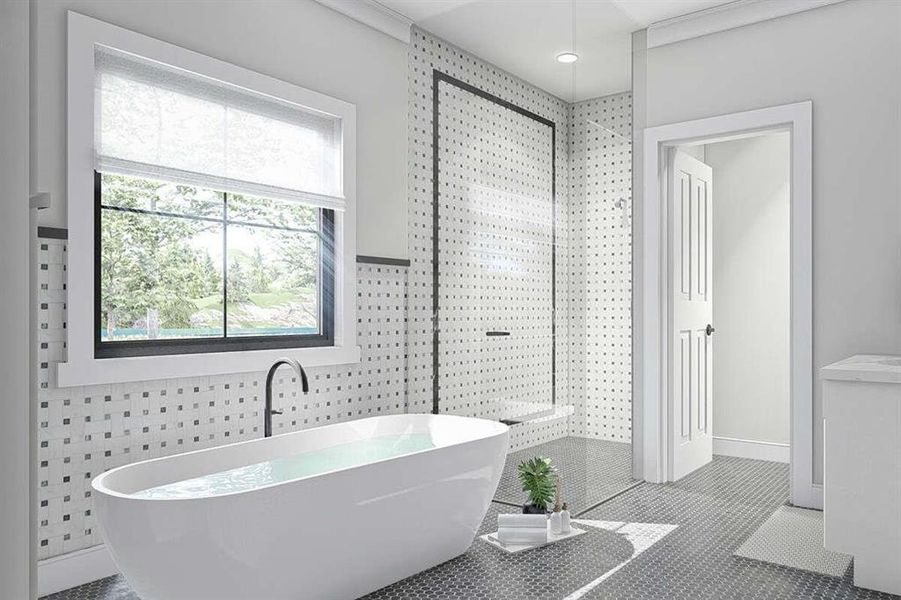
(593, 243)
(496, 222)
(488, 121)
(83, 431)
(600, 264)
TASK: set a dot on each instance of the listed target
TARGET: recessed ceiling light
(567, 57)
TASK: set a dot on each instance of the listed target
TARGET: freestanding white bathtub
(335, 535)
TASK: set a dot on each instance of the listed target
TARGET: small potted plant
(538, 477)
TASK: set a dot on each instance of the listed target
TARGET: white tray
(491, 538)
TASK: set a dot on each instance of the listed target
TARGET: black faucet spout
(267, 411)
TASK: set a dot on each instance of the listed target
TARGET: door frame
(651, 448)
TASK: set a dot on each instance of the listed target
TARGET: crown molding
(725, 17)
(375, 15)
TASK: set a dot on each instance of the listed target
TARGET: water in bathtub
(282, 469)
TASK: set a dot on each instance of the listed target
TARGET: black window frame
(166, 347)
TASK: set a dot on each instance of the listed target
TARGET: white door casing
(651, 447)
(690, 186)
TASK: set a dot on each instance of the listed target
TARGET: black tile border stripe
(383, 260)
(55, 233)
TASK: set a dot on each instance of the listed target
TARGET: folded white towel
(517, 520)
(522, 535)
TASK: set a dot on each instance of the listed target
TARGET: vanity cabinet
(862, 467)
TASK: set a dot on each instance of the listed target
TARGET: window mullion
(224, 265)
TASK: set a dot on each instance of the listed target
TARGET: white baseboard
(75, 568)
(771, 451)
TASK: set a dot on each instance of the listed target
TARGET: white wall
(751, 295)
(846, 58)
(299, 41)
(15, 536)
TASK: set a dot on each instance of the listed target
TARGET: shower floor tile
(592, 470)
(653, 542)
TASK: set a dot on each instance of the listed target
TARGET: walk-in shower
(531, 279)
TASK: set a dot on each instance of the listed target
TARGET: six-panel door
(691, 312)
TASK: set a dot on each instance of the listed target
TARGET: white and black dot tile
(482, 143)
(593, 247)
(496, 250)
(600, 267)
(84, 431)
(534, 432)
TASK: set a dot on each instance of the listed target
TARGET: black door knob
(710, 329)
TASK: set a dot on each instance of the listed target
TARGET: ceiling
(524, 37)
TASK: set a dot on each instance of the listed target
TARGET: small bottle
(556, 520)
(565, 526)
(556, 523)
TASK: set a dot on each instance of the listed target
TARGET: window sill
(91, 371)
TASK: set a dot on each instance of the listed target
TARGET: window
(215, 211)
(185, 269)
(211, 215)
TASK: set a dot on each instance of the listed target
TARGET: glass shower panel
(607, 192)
(518, 289)
(595, 459)
(495, 234)
(600, 463)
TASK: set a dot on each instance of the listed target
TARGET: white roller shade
(156, 121)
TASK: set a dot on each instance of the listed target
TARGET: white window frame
(82, 368)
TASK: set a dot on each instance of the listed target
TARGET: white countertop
(865, 367)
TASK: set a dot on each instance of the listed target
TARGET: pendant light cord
(572, 90)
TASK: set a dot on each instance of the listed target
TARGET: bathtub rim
(98, 486)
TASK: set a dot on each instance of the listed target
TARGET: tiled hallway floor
(716, 509)
(592, 470)
(695, 525)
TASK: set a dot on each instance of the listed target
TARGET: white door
(690, 365)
